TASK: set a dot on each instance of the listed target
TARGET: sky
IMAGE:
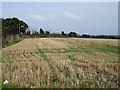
(59, 0)
(95, 18)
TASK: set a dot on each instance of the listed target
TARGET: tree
(0, 27)
(41, 31)
(23, 27)
(62, 33)
(35, 34)
(85, 36)
(72, 34)
(28, 32)
(11, 26)
(47, 33)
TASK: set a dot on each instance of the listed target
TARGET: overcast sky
(82, 17)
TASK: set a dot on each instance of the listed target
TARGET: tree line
(14, 26)
(43, 33)
(101, 36)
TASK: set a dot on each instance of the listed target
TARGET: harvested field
(61, 62)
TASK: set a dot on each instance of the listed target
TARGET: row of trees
(43, 33)
(14, 26)
(101, 36)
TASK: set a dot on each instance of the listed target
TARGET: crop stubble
(45, 62)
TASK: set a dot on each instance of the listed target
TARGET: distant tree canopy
(85, 36)
(41, 31)
(28, 32)
(62, 33)
(47, 32)
(73, 34)
(11, 26)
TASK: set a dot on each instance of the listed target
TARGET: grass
(0, 82)
(72, 57)
(72, 49)
(9, 43)
(41, 53)
(104, 48)
(0, 58)
(85, 48)
(7, 85)
(54, 79)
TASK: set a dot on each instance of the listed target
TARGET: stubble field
(61, 63)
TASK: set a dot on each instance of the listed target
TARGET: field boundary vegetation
(9, 43)
(21, 29)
